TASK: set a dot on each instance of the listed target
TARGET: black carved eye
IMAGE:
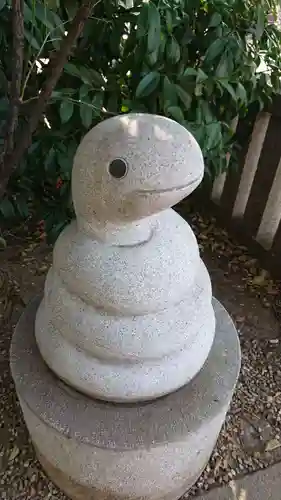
(118, 168)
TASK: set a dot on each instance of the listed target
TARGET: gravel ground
(251, 437)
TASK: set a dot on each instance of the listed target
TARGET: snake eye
(118, 168)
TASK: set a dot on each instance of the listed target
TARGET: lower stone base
(95, 450)
(77, 492)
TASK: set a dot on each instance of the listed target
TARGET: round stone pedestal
(95, 450)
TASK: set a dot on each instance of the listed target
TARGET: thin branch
(17, 67)
(54, 68)
(46, 39)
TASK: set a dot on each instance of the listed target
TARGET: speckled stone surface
(118, 337)
(76, 491)
(164, 164)
(127, 272)
(130, 280)
(110, 451)
(126, 357)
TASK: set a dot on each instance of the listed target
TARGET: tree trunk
(23, 139)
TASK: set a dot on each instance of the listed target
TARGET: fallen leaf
(225, 463)
(218, 466)
(240, 319)
(272, 445)
(14, 453)
(261, 279)
(32, 492)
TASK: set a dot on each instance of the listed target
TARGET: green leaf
(142, 26)
(22, 207)
(62, 93)
(50, 162)
(173, 50)
(86, 112)
(154, 28)
(227, 86)
(162, 45)
(190, 72)
(198, 131)
(201, 76)
(66, 111)
(95, 77)
(176, 113)
(7, 208)
(87, 75)
(170, 95)
(222, 70)
(209, 87)
(169, 21)
(64, 161)
(57, 21)
(260, 22)
(34, 147)
(148, 84)
(2, 4)
(206, 112)
(84, 90)
(185, 98)
(27, 13)
(199, 113)
(32, 40)
(241, 93)
(198, 89)
(213, 135)
(80, 72)
(41, 12)
(215, 49)
(216, 19)
(152, 58)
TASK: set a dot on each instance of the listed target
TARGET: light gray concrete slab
(262, 485)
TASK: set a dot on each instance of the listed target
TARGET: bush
(196, 61)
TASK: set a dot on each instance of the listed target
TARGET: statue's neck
(128, 234)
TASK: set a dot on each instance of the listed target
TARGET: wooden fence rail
(248, 199)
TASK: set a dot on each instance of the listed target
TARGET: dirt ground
(251, 438)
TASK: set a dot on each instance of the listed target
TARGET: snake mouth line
(171, 189)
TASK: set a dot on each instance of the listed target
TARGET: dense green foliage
(196, 61)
